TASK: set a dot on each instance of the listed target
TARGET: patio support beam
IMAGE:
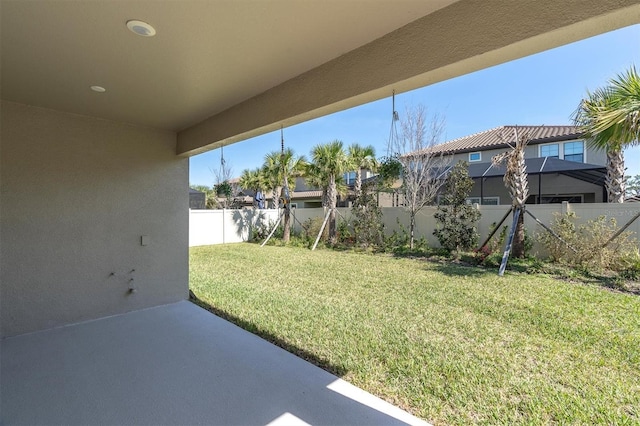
(540, 187)
(466, 36)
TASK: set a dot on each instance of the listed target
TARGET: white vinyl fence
(208, 227)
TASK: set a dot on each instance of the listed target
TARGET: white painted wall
(204, 223)
(207, 227)
(76, 195)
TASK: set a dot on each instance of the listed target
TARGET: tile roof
(306, 194)
(503, 135)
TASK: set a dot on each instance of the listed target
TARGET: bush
(368, 228)
(587, 241)
(399, 242)
(261, 231)
(456, 219)
(311, 228)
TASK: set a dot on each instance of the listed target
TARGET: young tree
(610, 120)
(222, 188)
(457, 218)
(281, 169)
(517, 182)
(272, 170)
(367, 224)
(329, 163)
(422, 167)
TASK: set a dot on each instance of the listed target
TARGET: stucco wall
(77, 194)
(532, 151)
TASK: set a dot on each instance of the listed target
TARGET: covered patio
(173, 364)
(103, 102)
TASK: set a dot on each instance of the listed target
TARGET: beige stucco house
(99, 115)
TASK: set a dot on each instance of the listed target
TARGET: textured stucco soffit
(461, 38)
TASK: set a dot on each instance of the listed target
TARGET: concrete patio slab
(173, 364)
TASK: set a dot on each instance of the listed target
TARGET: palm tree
(610, 120)
(329, 163)
(272, 171)
(254, 180)
(282, 168)
(516, 181)
(361, 158)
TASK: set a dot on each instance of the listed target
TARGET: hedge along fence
(207, 227)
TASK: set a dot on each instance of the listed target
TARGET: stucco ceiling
(220, 71)
(206, 57)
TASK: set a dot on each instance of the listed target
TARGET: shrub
(399, 242)
(261, 231)
(587, 240)
(345, 234)
(311, 228)
(368, 228)
(456, 218)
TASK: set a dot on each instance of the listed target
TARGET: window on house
(574, 151)
(569, 151)
(349, 178)
(475, 156)
(550, 150)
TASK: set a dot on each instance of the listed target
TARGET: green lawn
(451, 344)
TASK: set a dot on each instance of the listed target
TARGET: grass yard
(451, 344)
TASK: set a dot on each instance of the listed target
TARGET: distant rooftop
(505, 135)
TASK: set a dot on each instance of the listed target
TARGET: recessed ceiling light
(98, 89)
(141, 28)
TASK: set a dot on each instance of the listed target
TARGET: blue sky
(540, 89)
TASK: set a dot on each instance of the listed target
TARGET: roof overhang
(223, 71)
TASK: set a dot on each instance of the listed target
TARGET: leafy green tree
(633, 186)
(610, 120)
(329, 163)
(456, 218)
(367, 225)
(360, 158)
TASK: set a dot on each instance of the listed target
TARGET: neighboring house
(197, 199)
(306, 196)
(560, 165)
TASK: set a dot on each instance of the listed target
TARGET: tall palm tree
(329, 163)
(610, 120)
(282, 168)
(361, 158)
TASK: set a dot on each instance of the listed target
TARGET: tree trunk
(286, 223)
(357, 185)
(332, 195)
(517, 248)
(286, 235)
(274, 197)
(412, 226)
(615, 176)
